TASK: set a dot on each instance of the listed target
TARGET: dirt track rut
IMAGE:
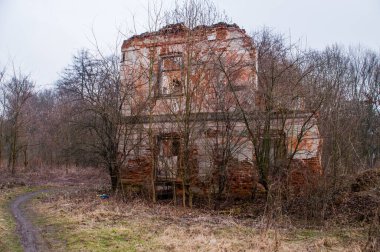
(30, 236)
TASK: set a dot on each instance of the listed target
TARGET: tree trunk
(26, 157)
(115, 179)
(13, 154)
(114, 183)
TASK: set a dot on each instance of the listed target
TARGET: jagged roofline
(181, 27)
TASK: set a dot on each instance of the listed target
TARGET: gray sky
(40, 36)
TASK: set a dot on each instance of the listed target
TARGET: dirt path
(30, 236)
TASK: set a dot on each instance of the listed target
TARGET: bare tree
(16, 93)
(276, 99)
(348, 118)
(93, 85)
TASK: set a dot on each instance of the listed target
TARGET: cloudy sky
(40, 36)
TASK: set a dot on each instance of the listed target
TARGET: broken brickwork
(183, 120)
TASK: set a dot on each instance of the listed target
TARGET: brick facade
(183, 112)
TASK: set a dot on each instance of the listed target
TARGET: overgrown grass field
(81, 221)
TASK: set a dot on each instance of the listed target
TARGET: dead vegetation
(357, 199)
(146, 226)
(351, 199)
(53, 176)
(141, 226)
(74, 217)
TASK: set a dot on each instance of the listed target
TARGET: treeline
(36, 127)
(76, 123)
(350, 113)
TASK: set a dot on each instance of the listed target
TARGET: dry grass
(55, 176)
(73, 218)
(84, 222)
(27, 180)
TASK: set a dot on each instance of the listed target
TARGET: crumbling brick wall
(168, 72)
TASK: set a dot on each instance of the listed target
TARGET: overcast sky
(41, 36)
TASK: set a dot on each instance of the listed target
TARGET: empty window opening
(171, 75)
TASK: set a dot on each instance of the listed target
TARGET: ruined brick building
(187, 90)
